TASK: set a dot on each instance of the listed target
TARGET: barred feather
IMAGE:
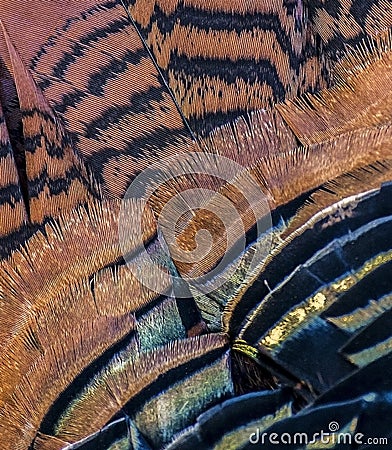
(250, 293)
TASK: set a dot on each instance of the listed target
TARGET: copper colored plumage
(195, 223)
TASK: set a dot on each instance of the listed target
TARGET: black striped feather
(214, 52)
(276, 116)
